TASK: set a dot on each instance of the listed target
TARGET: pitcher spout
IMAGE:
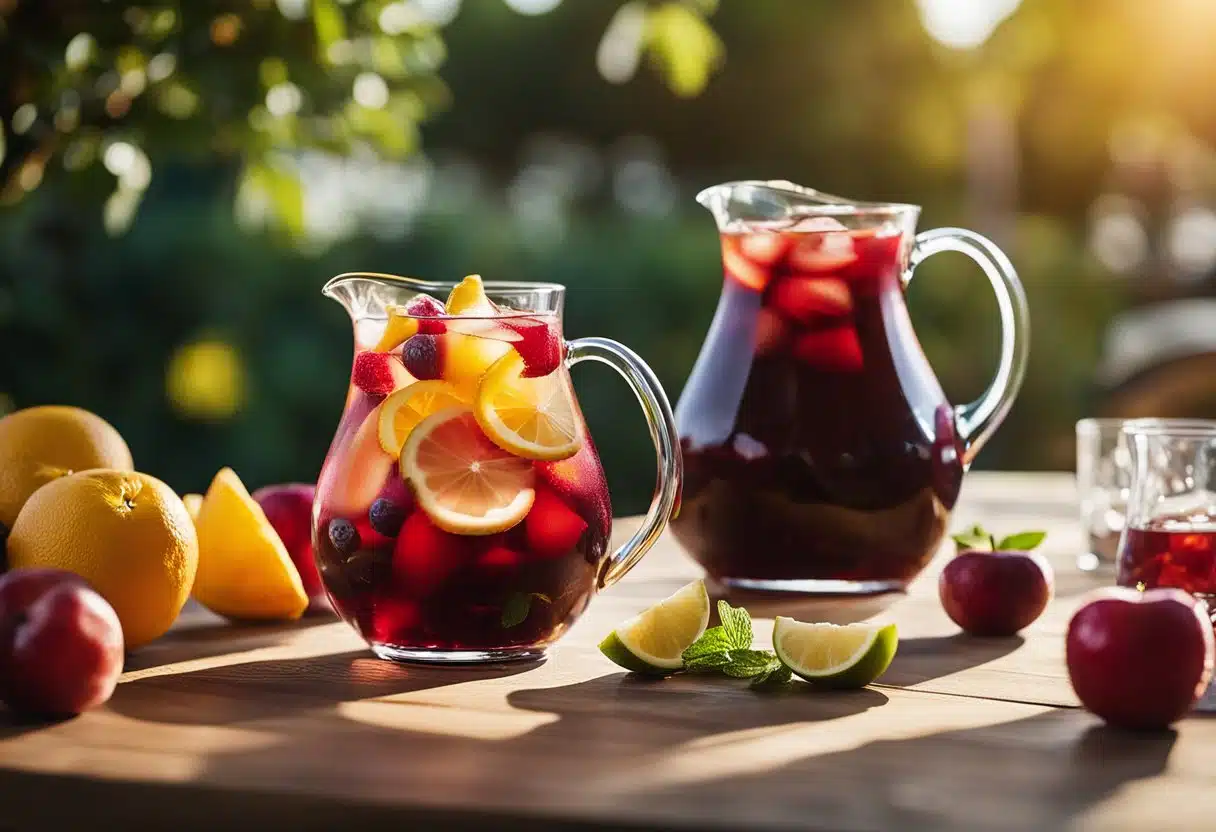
(368, 294)
(740, 204)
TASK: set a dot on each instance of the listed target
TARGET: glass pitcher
(820, 453)
(462, 514)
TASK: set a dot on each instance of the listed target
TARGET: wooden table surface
(298, 727)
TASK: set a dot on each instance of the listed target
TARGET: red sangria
(1177, 552)
(820, 452)
(462, 513)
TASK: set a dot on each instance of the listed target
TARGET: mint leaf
(744, 664)
(737, 625)
(515, 610)
(708, 661)
(712, 641)
(973, 538)
(773, 678)
(1021, 542)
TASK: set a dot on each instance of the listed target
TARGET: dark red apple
(288, 507)
(995, 593)
(1140, 659)
(61, 647)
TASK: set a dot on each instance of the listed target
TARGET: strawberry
(425, 554)
(764, 249)
(538, 345)
(804, 298)
(835, 350)
(373, 373)
(424, 307)
(823, 252)
(553, 529)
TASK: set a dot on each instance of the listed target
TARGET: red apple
(288, 507)
(1140, 659)
(61, 647)
(995, 593)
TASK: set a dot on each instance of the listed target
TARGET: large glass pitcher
(821, 455)
(462, 514)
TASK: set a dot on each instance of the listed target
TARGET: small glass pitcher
(462, 514)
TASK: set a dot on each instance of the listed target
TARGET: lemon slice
(401, 412)
(464, 482)
(400, 327)
(848, 656)
(530, 417)
(192, 502)
(244, 570)
(654, 641)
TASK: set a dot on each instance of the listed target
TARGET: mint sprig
(727, 649)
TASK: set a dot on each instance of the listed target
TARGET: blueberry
(386, 517)
(420, 354)
(344, 536)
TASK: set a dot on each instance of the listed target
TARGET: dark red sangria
(1178, 552)
(820, 453)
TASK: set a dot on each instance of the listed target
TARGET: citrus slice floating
(530, 417)
(464, 482)
(468, 297)
(401, 412)
(655, 640)
(400, 327)
(848, 656)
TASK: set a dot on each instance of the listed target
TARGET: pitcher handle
(662, 424)
(976, 421)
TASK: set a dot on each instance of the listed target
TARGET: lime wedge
(849, 656)
(653, 641)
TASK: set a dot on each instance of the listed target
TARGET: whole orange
(127, 534)
(39, 444)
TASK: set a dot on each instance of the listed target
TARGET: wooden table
(221, 727)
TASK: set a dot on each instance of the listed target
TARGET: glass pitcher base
(816, 587)
(422, 655)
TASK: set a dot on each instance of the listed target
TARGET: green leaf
(708, 661)
(712, 641)
(973, 538)
(737, 625)
(773, 678)
(516, 610)
(744, 664)
(1021, 542)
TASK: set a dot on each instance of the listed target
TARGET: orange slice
(530, 417)
(401, 412)
(400, 327)
(464, 482)
(468, 297)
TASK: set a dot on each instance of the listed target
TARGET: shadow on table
(921, 659)
(210, 636)
(240, 692)
(1034, 773)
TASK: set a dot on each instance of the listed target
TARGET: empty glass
(1104, 478)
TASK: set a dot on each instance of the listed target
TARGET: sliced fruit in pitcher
(400, 326)
(552, 529)
(837, 349)
(402, 411)
(465, 483)
(747, 273)
(823, 252)
(807, 298)
(530, 417)
(353, 476)
(654, 641)
(468, 297)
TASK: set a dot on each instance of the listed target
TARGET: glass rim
(1184, 428)
(554, 293)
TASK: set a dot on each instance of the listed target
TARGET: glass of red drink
(1170, 536)
(820, 453)
(462, 514)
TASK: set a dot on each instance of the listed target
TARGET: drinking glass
(1170, 534)
(1104, 479)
